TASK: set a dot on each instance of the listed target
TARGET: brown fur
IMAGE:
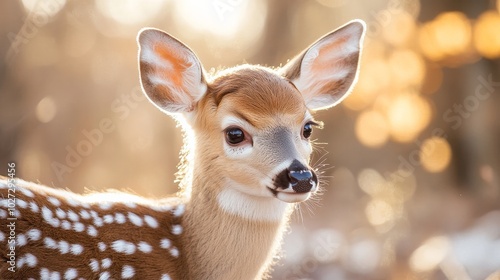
(207, 241)
(151, 265)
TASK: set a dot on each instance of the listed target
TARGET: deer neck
(223, 243)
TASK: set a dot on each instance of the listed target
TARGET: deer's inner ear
(326, 71)
(171, 74)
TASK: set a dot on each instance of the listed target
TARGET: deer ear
(171, 74)
(326, 71)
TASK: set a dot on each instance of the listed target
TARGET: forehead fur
(257, 93)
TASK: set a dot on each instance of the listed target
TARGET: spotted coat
(56, 234)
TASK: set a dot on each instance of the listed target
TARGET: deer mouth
(290, 197)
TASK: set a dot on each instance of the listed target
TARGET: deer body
(250, 164)
(60, 235)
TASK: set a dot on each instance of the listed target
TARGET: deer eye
(234, 135)
(307, 130)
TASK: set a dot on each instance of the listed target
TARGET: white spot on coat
(128, 272)
(98, 222)
(92, 231)
(21, 203)
(135, 219)
(176, 229)
(94, 214)
(61, 214)
(165, 243)
(78, 227)
(46, 213)
(150, 221)
(76, 249)
(130, 204)
(21, 240)
(104, 275)
(108, 219)
(179, 210)
(73, 202)
(165, 277)
(70, 274)
(174, 252)
(66, 225)
(120, 218)
(46, 274)
(34, 207)
(27, 192)
(3, 214)
(102, 246)
(94, 265)
(30, 260)
(106, 263)
(54, 201)
(73, 216)
(85, 214)
(50, 243)
(105, 205)
(48, 217)
(122, 246)
(20, 262)
(34, 234)
(144, 247)
(63, 247)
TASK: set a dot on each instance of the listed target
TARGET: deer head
(253, 124)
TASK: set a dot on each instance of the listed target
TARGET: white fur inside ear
(327, 62)
(184, 84)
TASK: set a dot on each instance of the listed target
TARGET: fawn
(249, 127)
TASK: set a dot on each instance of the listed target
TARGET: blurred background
(413, 176)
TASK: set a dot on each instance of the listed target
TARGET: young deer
(249, 127)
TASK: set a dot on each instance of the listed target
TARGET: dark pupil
(235, 136)
(307, 130)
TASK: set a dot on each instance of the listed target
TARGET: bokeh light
(223, 19)
(331, 3)
(46, 110)
(453, 32)
(402, 186)
(428, 44)
(408, 68)
(371, 128)
(487, 35)
(374, 76)
(364, 256)
(371, 181)
(430, 254)
(43, 8)
(379, 212)
(400, 30)
(435, 154)
(131, 12)
(449, 35)
(408, 115)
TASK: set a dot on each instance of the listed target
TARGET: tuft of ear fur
(171, 74)
(326, 71)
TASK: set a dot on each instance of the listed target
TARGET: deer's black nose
(297, 178)
(301, 178)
